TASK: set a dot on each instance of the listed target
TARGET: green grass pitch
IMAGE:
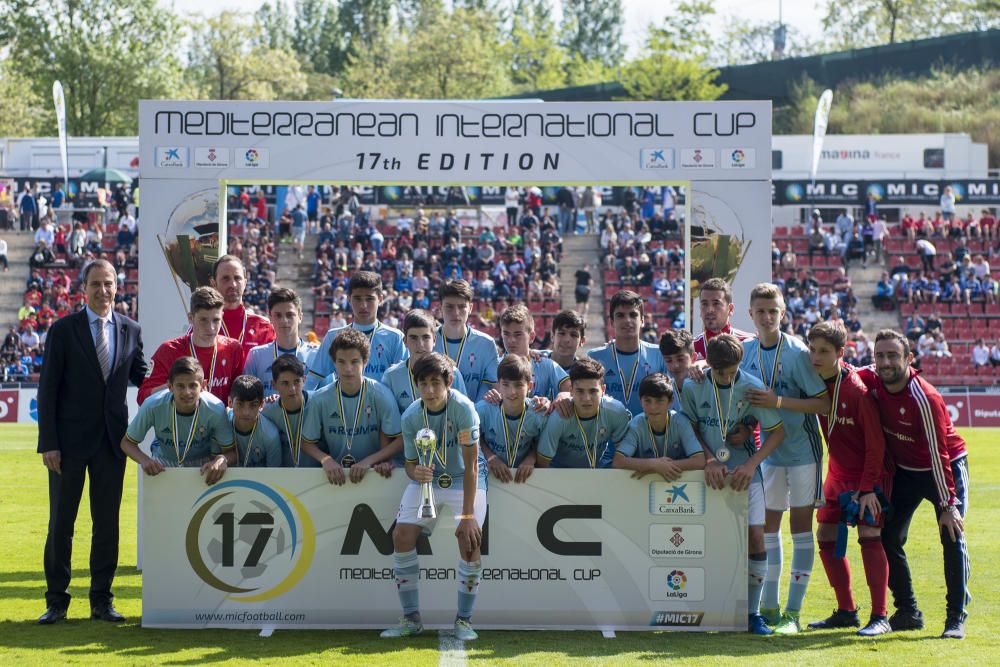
(23, 506)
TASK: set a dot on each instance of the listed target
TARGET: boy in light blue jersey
(288, 375)
(258, 444)
(458, 487)
(677, 350)
(510, 431)
(599, 423)
(419, 337)
(364, 291)
(568, 336)
(626, 359)
(517, 330)
(660, 440)
(284, 309)
(353, 424)
(474, 353)
(716, 407)
(189, 424)
(793, 474)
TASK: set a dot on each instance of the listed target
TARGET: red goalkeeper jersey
(250, 329)
(701, 341)
(856, 443)
(918, 430)
(228, 365)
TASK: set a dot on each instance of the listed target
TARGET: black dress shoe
(106, 613)
(907, 619)
(840, 618)
(52, 615)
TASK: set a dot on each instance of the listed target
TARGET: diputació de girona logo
(252, 541)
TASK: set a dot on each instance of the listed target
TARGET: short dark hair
(517, 314)
(569, 319)
(514, 368)
(628, 299)
(287, 363)
(718, 285)
(364, 280)
(350, 339)
(676, 341)
(283, 295)
(222, 260)
(98, 264)
(432, 365)
(892, 334)
(586, 369)
(247, 388)
(184, 366)
(419, 318)
(832, 332)
(724, 351)
(206, 298)
(656, 385)
(458, 288)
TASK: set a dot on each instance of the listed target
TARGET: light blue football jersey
(565, 446)
(547, 375)
(626, 371)
(350, 424)
(261, 447)
(476, 356)
(212, 433)
(400, 382)
(701, 407)
(642, 442)
(260, 359)
(289, 425)
(787, 369)
(510, 438)
(386, 349)
(457, 426)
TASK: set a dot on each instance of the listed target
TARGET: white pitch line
(452, 650)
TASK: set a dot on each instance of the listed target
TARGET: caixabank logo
(249, 540)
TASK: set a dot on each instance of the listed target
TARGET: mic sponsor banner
(284, 548)
(847, 192)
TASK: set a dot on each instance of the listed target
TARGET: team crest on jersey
(739, 405)
(472, 358)
(252, 332)
(780, 366)
(368, 411)
(902, 411)
(149, 371)
(601, 432)
(378, 349)
(223, 362)
(202, 432)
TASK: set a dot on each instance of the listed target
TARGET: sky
(804, 15)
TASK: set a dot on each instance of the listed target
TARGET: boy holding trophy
(441, 445)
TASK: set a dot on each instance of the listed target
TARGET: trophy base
(427, 512)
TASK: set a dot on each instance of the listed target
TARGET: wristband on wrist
(324, 459)
(490, 458)
(463, 517)
(778, 405)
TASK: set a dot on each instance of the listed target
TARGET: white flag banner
(819, 129)
(60, 102)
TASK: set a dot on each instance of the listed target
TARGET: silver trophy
(426, 444)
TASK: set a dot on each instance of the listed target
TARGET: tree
(537, 62)
(275, 23)
(24, 111)
(746, 42)
(315, 36)
(858, 23)
(661, 74)
(593, 29)
(685, 30)
(228, 62)
(108, 55)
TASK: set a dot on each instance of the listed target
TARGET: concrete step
(864, 279)
(580, 251)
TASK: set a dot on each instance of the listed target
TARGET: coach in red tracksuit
(931, 464)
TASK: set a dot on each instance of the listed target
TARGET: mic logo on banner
(684, 618)
(255, 546)
(657, 158)
(677, 498)
(675, 583)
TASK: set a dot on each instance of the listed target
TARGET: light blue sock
(406, 568)
(469, 575)
(772, 582)
(803, 555)
(757, 571)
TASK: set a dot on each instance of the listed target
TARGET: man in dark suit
(90, 357)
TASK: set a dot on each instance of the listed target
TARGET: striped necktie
(103, 351)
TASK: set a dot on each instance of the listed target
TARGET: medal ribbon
(774, 367)
(652, 437)
(591, 455)
(723, 423)
(831, 420)
(243, 330)
(512, 453)
(191, 432)
(276, 349)
(215, 351)
(461, 344)
(294, 446)
(370, 334)
(626, 386)
(350, 433)
(440, 453)
(253, 432)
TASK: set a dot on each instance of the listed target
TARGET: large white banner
(188, 148)
(569, 549)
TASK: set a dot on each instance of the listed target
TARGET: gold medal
(626, 386)
(445, 481)
(347, 461)
(722, 453)
(512, 451)
(191, 432)
(349, 433)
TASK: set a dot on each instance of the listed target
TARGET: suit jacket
(78, 411)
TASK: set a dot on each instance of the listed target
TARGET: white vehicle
(38, 157)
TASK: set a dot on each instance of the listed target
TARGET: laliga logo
(794, 192)
(738, 156)
(256, 546)
(251, 156)
(676, 580)
(877, 191)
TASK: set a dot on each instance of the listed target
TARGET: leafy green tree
(592, 29)
(858, 23)
(108, 55)
(315, 33)
(226, 62)
(537, 61)
(24, 111)
(660, 73)
(684, 32)
(746, 42)
(275, 22)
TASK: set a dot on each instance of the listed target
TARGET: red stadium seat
(780, 231)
